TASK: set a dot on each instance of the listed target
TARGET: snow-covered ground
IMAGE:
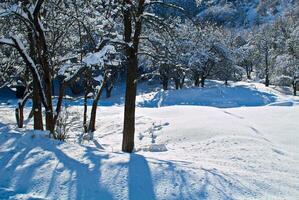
(236, 142)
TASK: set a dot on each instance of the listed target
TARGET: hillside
(234, 13)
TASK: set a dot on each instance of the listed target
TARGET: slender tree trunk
(196, 82)
(165, 83)
(58, 107)
(85, 113)
(109, 89)
(177, 84)
(267, 81)
(50, 124)
(294, 88)
(20, 109)
(202, 81)
(19, 112)
(31, 113)
(248, 72)
(93, 114)
(182, 82)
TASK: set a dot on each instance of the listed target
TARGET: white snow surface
(200, 150)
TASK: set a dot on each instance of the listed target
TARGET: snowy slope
(240, 151)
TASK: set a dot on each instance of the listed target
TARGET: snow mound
(155, 148)
(216, 94)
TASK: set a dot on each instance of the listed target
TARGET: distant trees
(276, 48)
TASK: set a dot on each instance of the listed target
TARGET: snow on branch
(16, 43)
(6, 41)
(162, 3)
(98, 58)
(71, 71)
(28, 60)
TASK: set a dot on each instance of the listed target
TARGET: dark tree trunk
(20, 109)
(294, 88)
(177, 84)
(36, 97)
(109, 89)
(37, 108)
(248, 72)
(196, 82)
(129, 115)
(20, 115)
(58, 107)
(31, 113)
(93, 114)
(132, 68)
(182, 82)
(85, 113)
(267, 81)
(202, 81)
(43, 59)
(165, 83)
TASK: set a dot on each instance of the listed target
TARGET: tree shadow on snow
(83, 177)
(19, 167)
(140, 183)
(210, 184)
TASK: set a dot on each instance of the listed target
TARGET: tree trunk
(31, 113)
(177, 84)
(202, 81)
(196, 82)
(20, 115)
(93, 114)
(20, 110)
(50, 123)
(85, 113)
(129, 115)
(37, 108)
(109, 89)
(248, 72)
(43, 59)
(267, 81)
(182, 82)
(131, 82)
(36, 97)
(58, 108)
(294, 88)
(165, 83)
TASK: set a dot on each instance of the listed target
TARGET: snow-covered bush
(67, 119)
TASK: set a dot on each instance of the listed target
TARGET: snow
(215, 95)
(98, 57)
(240, 150)
(6, 41)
